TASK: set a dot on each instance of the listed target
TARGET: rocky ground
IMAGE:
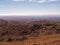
(43, 32)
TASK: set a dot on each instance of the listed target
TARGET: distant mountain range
(33, 18)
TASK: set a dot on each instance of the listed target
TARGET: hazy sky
(29, 7)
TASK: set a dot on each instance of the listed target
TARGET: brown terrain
(43, 32)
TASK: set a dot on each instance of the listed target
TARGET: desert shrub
(4, 33)
(34, 44)
(48, 24)
(25, 32)
(35, 33)
(57, 29)
(45, 44)
(3, 23)
(35, 27)
(14, 29)
(10, 40)
(21, 39)
(49, 33)
(1, 39)
(56, 42)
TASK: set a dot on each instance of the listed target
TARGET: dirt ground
(41, 40)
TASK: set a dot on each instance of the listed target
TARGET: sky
(29, 7)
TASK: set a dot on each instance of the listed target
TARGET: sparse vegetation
(10, 40)
(34, 44)
(16, 31)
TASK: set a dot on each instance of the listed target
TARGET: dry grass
(41, 40)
